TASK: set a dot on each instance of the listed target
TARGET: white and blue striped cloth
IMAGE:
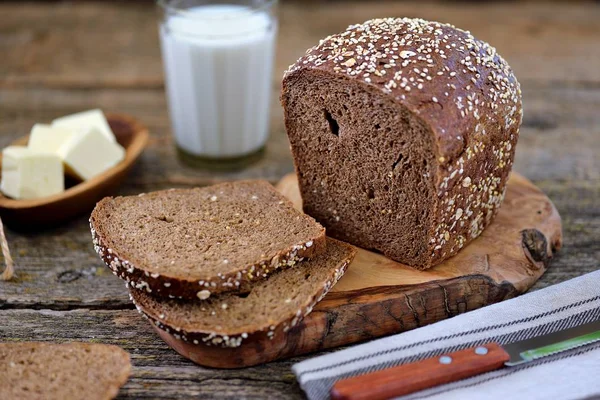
(574, 374)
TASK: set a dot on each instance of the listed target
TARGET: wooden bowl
(81, 197)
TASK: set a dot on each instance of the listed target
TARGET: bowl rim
(132, 153)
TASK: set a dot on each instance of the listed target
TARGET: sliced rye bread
(273, 306)
(194, 243)
(62, 371)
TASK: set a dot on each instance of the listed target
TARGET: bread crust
(178, 288)
(459, 87)
(164, 285)
(234, 338)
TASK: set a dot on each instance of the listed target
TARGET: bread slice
(62, 371)
(194, 243)
(272, 306)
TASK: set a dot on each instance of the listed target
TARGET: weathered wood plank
(580, 210)
(545, 43)
(79, 45)
(558, 149)
(58, 269)
(158, 371)
(100, 44)
(61, 57)
(558, 138)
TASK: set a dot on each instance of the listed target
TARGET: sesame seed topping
(350, 62)
(203, 294)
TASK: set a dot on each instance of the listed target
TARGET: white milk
(218, 61)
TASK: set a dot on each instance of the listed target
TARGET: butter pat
(86, 120)
(48, 139)
(89, 153)
(28, 174)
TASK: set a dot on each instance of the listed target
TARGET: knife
(462, 364)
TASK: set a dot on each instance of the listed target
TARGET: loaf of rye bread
(195, 243)
(403, 133)
(67, 371)
(272, 307)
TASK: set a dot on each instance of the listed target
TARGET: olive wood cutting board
(378, 297)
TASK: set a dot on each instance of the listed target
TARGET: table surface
(59, 58)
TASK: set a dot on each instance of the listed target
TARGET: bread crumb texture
(194, 243)
(62, 371)
(458, 87)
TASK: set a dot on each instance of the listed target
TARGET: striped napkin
(574, 374)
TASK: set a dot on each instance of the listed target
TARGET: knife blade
(408, 378)
(552, 343)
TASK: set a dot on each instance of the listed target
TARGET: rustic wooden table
(59, 58)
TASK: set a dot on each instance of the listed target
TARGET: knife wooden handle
(409, 378)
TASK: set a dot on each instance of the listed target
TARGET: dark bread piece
(403, 133)
(62, 371)
(194, 243)
(274, 305)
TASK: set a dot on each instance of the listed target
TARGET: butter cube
(89, 153)
(28, 174)
(86, 120)
(48, 139)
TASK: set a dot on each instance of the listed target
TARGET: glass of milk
(218, 61)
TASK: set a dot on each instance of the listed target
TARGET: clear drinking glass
(218, 61)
